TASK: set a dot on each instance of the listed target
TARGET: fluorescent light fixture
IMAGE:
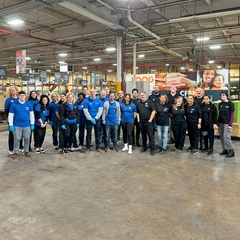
(109, 70)
(48, 70)
(84, 68)
(153, 70)
(28, 58)
(202, 39)
(215, 47)
(141, 56)
(15, 22)
(167, 64)
(219, 66)
(61, 62)
(182, 68)
(115, 64)
(62, 54)
(97, 59)
(210, 61)
(110, 49)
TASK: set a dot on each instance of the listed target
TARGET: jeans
(55, 133)
(162, 138)
(127, 129)
(147, 130)
(111, 131)
(20, 133)
(97, 127)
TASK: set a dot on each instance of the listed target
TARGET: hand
(51, 123)
(229, 127)
(32, 127)
(150, 120)
(104, 122)
(11, 128)
(215, 126)
(93, 120)
(199, 126)
(63, 127)
(77, 125)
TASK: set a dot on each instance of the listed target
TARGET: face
(13, 91)
(70, 98)
(85, 91)
(62, 97)
(112, 97)
(33, 94)
(163, 99)
(103, 94)
(223, 97)
(156, 88)
(179, 101)
(199, 92)
(190, 100)
(92, 93)
(80, 97)
(135, 94)
(173, 89)
(120, 94)
(45, 101)
(206, 100)
(22, 97)
(107, 90)
(208, 76)
(143, 96)
(218, 81)
(54, 97)
(127, 98)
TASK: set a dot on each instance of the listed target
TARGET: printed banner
(66, 78)
(43, 76)
(58, 77)
(3, 73)
(143, 78)
(21, 61)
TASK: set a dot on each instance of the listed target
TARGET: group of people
(170, 114)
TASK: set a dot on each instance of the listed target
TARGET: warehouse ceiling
(166, 32)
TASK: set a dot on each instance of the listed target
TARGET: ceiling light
(61, 62)
(141, 56)
(219, 67)
(167, 64)
(48, 70)
(115, 64)
(215, 47)
(28, 58)
(110, 49)
(202, 39)
(97, 59)
(109, 70)
(62, 54)
(211, 61)
(182, 68)
(15, 22)
(153, 70)
(84, 68)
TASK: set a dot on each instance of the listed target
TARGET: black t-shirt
(177, 115)
(144, 109)
(225, 109)
(135, 101)
(172, 99)
(154, 97)
(193, 113)
(199, 101)
(162, 114)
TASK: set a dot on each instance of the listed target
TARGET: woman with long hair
(41, 118)
(162, 121)
(128, 114)
(178, 123)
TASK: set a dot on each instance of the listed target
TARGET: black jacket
(67, 113)
(209, 116)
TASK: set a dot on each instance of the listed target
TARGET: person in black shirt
(136, 100)
(179, 124)
(155, 94)
(209, 122)
(162, 121)
(194, 119)
(145, 114)
(225, 121)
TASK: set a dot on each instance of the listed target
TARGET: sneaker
(55, 147)
(210, 151)
(38, 150)
(42, 150)
(21, 150)
(15, 155)
(107, 150)
(70, 150)
(27, 154)
(10, 152)
(160, 150)
(65, 151)
(143, 150)
(178, 151)
(224, 152)
(99, 150)
(60, 150)
(87, 151)
(194, 151)
(74, 148)
(189, 149)
(115, 150)
(80, 147)
(152, 153)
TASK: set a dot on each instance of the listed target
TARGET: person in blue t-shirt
(93, 110)
(12, 97)
(21, 123)
(128, 114)
(33, 100)
(102, 97)
(41, 118)
(111, 118)
(120, 99)
(53, 118)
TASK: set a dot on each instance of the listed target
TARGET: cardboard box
(236, 130)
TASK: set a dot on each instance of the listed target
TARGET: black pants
(193, 133)
(68, 134)
(146, 128)
(127, 129)
(209, 138)
(39, 135)
(179, 133)
(137, 138)
(10, 141)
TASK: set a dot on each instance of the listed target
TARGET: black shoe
(204, 149)
(189, 149)
(194, 151)
(231, 153)
(201, 147)
(152, 152)
(210, 151)
(138, 144)
(143, 150)
(224, 152)
(160, 150)
(171, 141)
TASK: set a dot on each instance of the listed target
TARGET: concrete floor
(113, 196)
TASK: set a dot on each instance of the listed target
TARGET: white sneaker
(10, 152)
(74, 149)
(80, 147)
(125, 148)
(130, 149)
(42, 150)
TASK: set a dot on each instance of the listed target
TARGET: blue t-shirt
(44, 113)
(111, 117)
(33, 102)
(127, 112)
(92, 105)
(53, 109)
(82, 117)
(21, 113)
(9, 101)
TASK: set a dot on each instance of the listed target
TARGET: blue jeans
(162, 137)
(111, 131)
(97, 128)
